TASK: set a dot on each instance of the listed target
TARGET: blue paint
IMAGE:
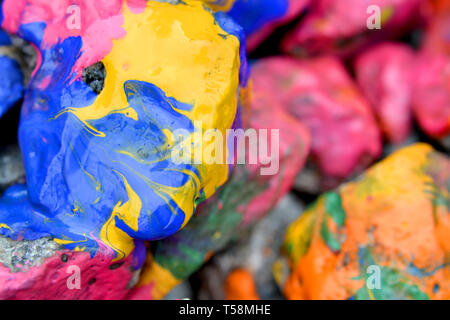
(253, 15)
(231, 27)
(74, 177)
(11, 79)
(4, 38)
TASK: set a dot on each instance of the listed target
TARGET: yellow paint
(204, 73)
(299, 233)
(161, 279)
(66, 242)
(220, 5)
(184, 52)
(394, 169)
(128, 212)
(389, 212)
(3, 225)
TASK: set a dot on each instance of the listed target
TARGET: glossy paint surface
(259, 17)
(238, 205)
(99, 168)
(393, 223)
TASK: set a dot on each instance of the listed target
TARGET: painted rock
(260, 17)
(43, 270)
(321, 94)
(341, 27)
(252, 191)
(240, 285)
(101, 121)
(251, 258)
(438, 32)
(431, 99)
(385, 76)
(11, 78)
(431, 93)
(384, 236)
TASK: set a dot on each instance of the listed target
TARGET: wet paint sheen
(99, 168)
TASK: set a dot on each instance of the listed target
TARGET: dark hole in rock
(64, 258)
(94, 76)
(92, 281)
(115, 265)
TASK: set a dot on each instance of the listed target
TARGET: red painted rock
(431, 99)
(321, 94)
(335, 26)
(385, 75)
(43, 270)
(431, 94)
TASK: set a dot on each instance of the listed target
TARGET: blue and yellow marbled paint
(99, 168)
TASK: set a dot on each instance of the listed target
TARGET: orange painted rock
(384, 236)
(240, 285)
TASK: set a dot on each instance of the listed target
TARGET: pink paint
(385, 75)
(137, 6)
(141, 292)
(431, 94)
(332, 20)
(49, 280)
(321, 94)
(100, 22)
(294, 146)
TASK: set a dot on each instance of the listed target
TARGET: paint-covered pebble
(98, 148)
(343, 27)
(384, 236)
(321, 94)
(431, 87)
(385, 75)
(249, 194)
(43, 270)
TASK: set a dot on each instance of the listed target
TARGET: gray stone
(11, 166)
(19, 256)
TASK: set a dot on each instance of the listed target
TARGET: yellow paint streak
(299, 233)
(66, 242)
(220, 5)
(3, 225)
(128, 212)
(162, 279)
(183, 51)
